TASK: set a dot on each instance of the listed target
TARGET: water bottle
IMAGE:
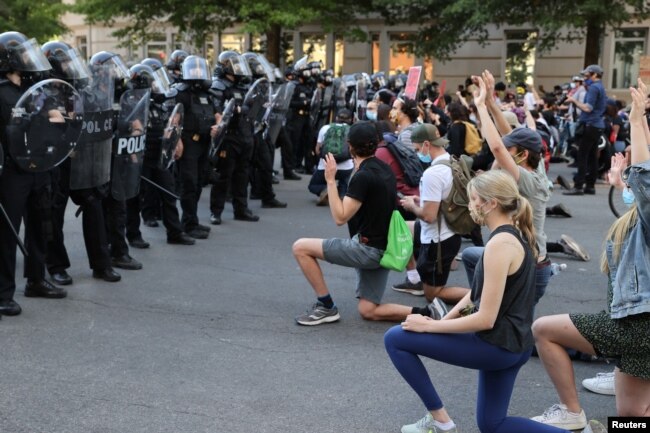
(556, 268)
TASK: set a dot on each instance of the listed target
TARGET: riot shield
(256, 99)
(276, 113)
(314, 108)
(222, 129)
(45, 125)
(129, 143)
(91, 160)
(2, 159)
(325, 107)
(171, 135)
(339, 92)
(362, 99)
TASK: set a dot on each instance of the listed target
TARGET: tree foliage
(40, 19)
(444, 25)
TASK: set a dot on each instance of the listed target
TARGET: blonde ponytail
(617, 234)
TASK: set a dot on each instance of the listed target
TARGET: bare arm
(342, 210)
(503, 255)
(427, 213)
(639, 151)
(495, 111)
(501, 155)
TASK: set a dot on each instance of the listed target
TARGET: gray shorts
(371, 277)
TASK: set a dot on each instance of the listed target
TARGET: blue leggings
(497, 368)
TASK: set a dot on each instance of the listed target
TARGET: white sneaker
(558, 416)
(603, 383)
(438, 309)
(426, 425)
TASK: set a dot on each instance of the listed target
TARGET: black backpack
(336, 142)
(407, 158)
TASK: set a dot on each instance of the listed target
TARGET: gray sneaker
(426, 425)
(572, 248)
(414, 289)
(318, 314)
(438, 309)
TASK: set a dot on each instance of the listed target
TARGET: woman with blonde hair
(622, 332)
(489, 330)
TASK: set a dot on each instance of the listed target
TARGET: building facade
(509, 52)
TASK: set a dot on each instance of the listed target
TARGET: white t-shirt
(435, 185)
(348, 164)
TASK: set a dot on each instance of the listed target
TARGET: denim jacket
(630, 277)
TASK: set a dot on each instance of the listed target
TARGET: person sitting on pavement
(489, 329)
(622, 331)
(366, 208)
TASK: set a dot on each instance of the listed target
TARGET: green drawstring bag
(400, 244)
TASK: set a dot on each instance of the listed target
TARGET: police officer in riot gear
(175, 64)
(160, 107)
(232, 79)
(114, 209)
(200, 115)
(287, 153)
(67, 65)
(24, 195)
(298, 121)
(261, 170)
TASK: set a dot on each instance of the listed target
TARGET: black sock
(421, 310)
(326, 301)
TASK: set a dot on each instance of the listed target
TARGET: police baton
(13, 230)
(160, 187)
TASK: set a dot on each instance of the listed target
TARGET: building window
(401, 53)
(376, 52)
(520, 56)
(82, 45)
(629, 46)
(157, 47)
(233, 42)
(339, 54)
(315, 46)
(177, 42)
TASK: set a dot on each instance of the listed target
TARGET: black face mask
(243, 80)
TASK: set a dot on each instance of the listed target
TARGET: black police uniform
(89, 201)
(152, 169)
(200, 108)
(23, 195)
(298, 125)
(237, 150)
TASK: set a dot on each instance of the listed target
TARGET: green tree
(40, 19)
(444, 25)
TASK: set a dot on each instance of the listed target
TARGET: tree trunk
(273, 35)
(592, 44)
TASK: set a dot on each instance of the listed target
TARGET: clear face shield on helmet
(195, 68)
(161, 83)
(268, 70)
(74, 67)
(240, 66)
(118, 69)
(31, 57)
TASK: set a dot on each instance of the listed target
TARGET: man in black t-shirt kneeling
(366, 208)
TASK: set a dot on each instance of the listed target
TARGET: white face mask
(573, 85)
(472, 117)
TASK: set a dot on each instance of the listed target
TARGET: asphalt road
(203, 338)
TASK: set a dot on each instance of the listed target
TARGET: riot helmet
(301, 68)
(111, 64)
(327, 77)
(232, 63)
(67, 63)
(378, 80)
(195, 68)
(161, 81)
(19, 54)
(176, 60)
(259, 66)
(142, 77)
(315, 67)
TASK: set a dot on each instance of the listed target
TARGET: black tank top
(511, 329)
